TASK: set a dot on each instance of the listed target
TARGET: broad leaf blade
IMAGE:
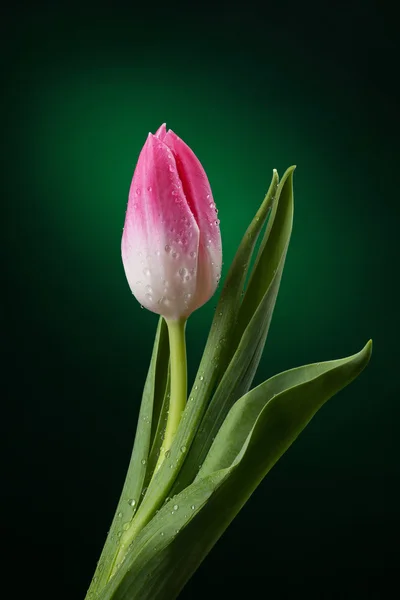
(262, 427)
(152, 399)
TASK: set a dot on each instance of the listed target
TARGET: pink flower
(171, 243)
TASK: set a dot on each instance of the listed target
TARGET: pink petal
(161, 131)
(199, 196)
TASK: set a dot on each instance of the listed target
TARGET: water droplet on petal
(167, 248)
(138, 191)
(149, 188)
(147, 272)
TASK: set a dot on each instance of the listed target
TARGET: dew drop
(183, 273)
(143, 461)
(168, 454)
(171, 168)
(131, 502)
(162, 533)
(183, 449)
(120, 515)
(193, 507)
(149, 188)
(196, 387)
(201, 378)
(174, 193)
(149, 288)
(176, 507)
(167, 248)
(149, 297)
(147, 272)
(119, 533)
(134, 205)
(138, 192)
(125, 526)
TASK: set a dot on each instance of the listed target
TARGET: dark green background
(249, 88)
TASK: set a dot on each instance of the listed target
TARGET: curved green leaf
(257, 431)
(152, 400)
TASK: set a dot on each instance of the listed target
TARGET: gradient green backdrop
(249, 88)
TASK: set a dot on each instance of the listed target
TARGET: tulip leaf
(159, 433)
(251, 329)
(152, 400)
(259, 428)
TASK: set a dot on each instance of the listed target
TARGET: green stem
(177, 347)
(178, 396)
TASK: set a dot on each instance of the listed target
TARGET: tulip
(171, 243)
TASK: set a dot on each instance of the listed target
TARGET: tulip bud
(171, 243)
